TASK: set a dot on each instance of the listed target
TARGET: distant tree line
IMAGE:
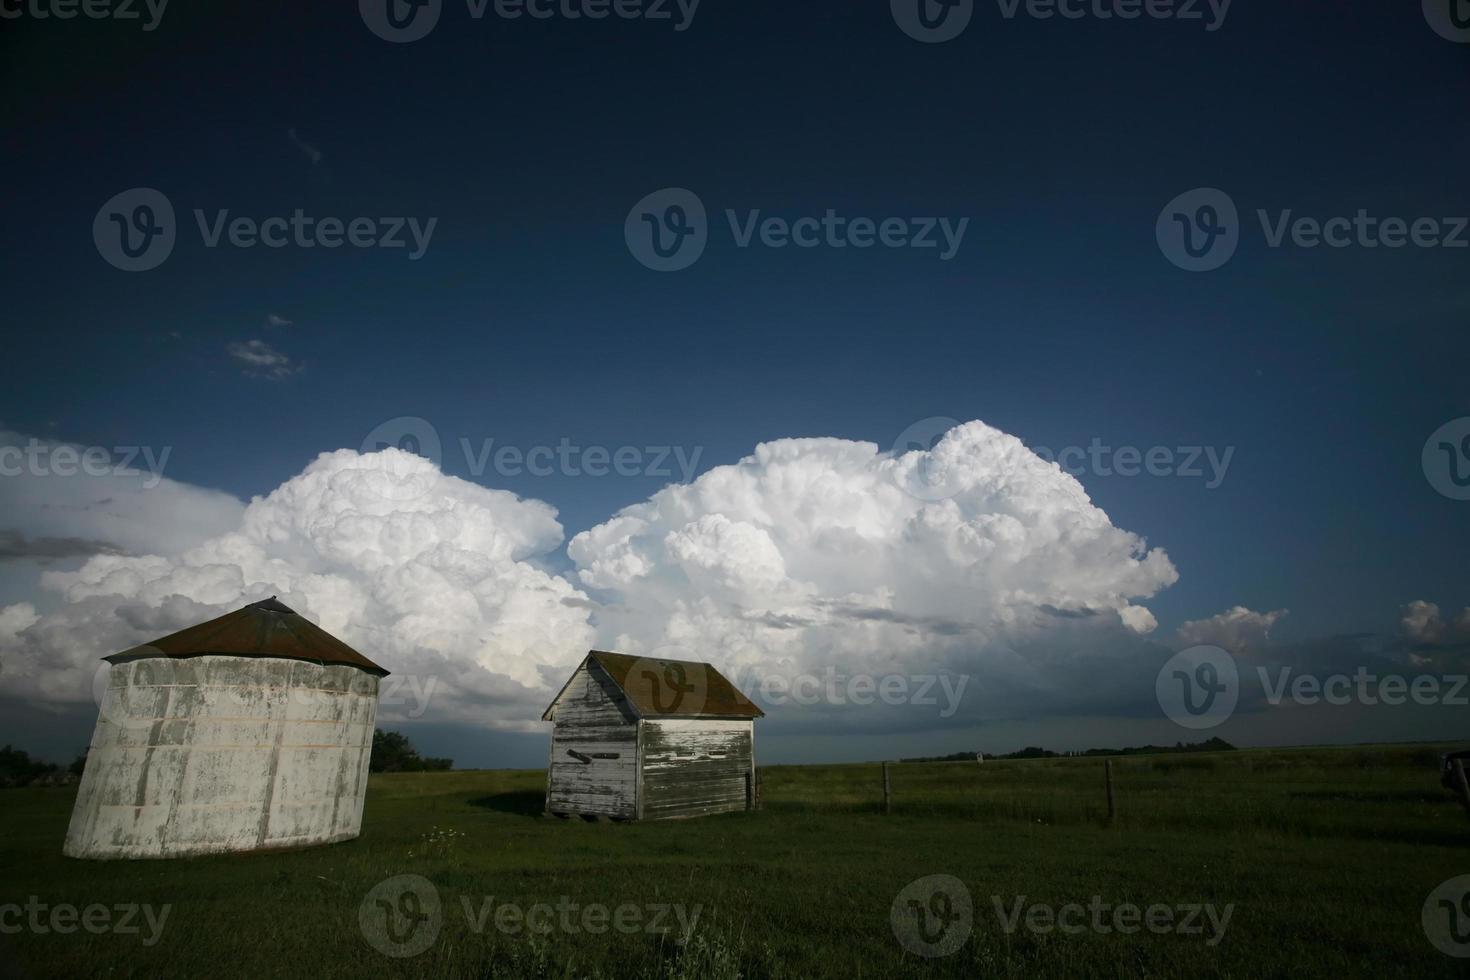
(1036, 752)
(17, 768)
(393, 752)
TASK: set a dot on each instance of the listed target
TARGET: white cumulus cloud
(808, 554)
(1422, 622)
(814, 551)
(1238, 630)
(427, 574)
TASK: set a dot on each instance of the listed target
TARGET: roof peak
(657, 687)
(268, 628)
(659, 660)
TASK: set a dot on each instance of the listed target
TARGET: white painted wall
(215, 754)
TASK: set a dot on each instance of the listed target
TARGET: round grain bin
(247, 732)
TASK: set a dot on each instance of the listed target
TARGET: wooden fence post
(759, 785)
(887, 792)
(1112, 800)
(1462, 785)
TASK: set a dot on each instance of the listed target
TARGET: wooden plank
(732, 790)
(693, 768)
(693, 801)
(692, 810)
(590, 803)
(694, 773)
(620, 734)
(682, 730)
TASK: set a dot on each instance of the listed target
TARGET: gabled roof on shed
(659, 688)
(269, 629)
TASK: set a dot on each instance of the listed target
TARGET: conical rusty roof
(268, 628)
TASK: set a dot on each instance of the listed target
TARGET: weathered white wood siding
(217, 753)
(695, 766)
(594, 749)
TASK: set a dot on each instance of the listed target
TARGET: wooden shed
(640, 738)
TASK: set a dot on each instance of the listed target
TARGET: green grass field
(1326, 857)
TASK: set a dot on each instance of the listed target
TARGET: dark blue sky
(528, 321)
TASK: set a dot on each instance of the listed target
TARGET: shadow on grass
(522, 803)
